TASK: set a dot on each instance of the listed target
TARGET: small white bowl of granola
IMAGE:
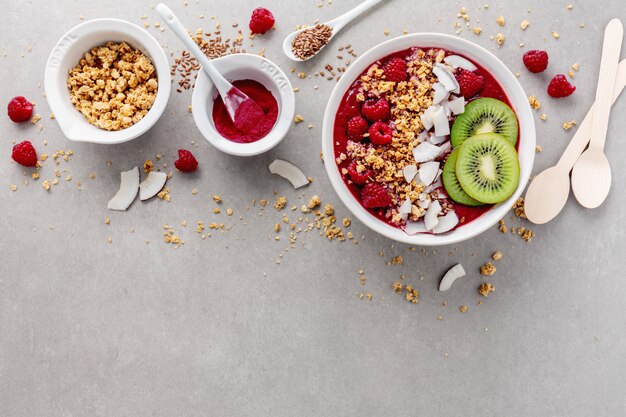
(107, 81)
(428, 139)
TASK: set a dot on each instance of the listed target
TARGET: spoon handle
(339, 22)
(583, 134)
(611, 48)
(222, 85)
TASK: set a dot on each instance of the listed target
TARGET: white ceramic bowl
(71, 48)
(511, 87)
(244, 67)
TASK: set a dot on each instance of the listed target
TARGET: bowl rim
(200, 105)
(84, 131)
(515, 93)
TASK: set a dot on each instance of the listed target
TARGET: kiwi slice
(485, 115)
(487, 168)
(451, 183)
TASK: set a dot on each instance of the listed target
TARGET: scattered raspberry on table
(536, 61)
(560, 87)
(376, 110)
(186, 162)
(395, 70)
(19, 109)
(261, 21)
(24, 154)
(470, 83)
(374, 195)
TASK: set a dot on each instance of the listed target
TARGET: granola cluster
(113, 86)
(408, 99)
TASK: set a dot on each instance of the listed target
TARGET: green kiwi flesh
(485, 115)
(487, 168)
(451, 183)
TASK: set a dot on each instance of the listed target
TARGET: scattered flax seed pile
(309, 42)
(213, 45)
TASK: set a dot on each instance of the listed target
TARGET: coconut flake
(440, 119)
(151, 186)
(413, 228)
(409, 171)
(447, 146)
(290, 172)
(444, 75)
(427, 116)
(428, 172)
(452, 275)
(446, 223)
(423, 204)
(437, 140)
(405, 208)
(456, 106)
(435, 185)
(457, 61)
(441, 93)
(129, 186)
(430, 219)
(425, 152)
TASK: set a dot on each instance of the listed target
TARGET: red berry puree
(251, 124)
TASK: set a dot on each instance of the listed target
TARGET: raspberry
(374, 195)
(357, 177)
(470, 83)
(24, 154)
(357, 127)
(19, 109)
(380, 133)
(395, 70)
(186, 161)
(536, 61)
(376, 110)
(261, 21)
(560, 87)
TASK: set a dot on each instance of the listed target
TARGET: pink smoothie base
(350, 107)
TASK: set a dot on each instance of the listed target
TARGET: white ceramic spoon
(336, 24)
(548, 191)
(234, 99)
(591, 176)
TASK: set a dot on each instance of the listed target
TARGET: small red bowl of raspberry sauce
(261, 80)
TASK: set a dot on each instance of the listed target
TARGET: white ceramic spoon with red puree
(547, 194)
(243, 111)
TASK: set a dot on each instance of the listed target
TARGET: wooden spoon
(547, 194)
(591, 176)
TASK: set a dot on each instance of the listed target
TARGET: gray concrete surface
(217, 327)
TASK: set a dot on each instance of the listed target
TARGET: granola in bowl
(113, 86)
(425, 141)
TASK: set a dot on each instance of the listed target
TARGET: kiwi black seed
(485, 115)
(487, 168)
(451, 183)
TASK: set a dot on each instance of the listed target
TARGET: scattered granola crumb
(500, 20)
(298, 118)
(280, 203)
(148, 166)
(314, 202)
(13, 187)
(543, 117)
(485, 289)
(569, 125)
(518, 208)
(46, 185)
(487, 269)
(538, 149)
(525, 23)
(107, 220)
(534, 102)
(500, 39)
(217, 198)
(497, 256)
(555, 35)
(463, 308)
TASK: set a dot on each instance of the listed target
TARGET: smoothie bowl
(262, 81)
(428, 139)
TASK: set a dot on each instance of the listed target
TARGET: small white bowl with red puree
(262, 81)
(428, 139)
